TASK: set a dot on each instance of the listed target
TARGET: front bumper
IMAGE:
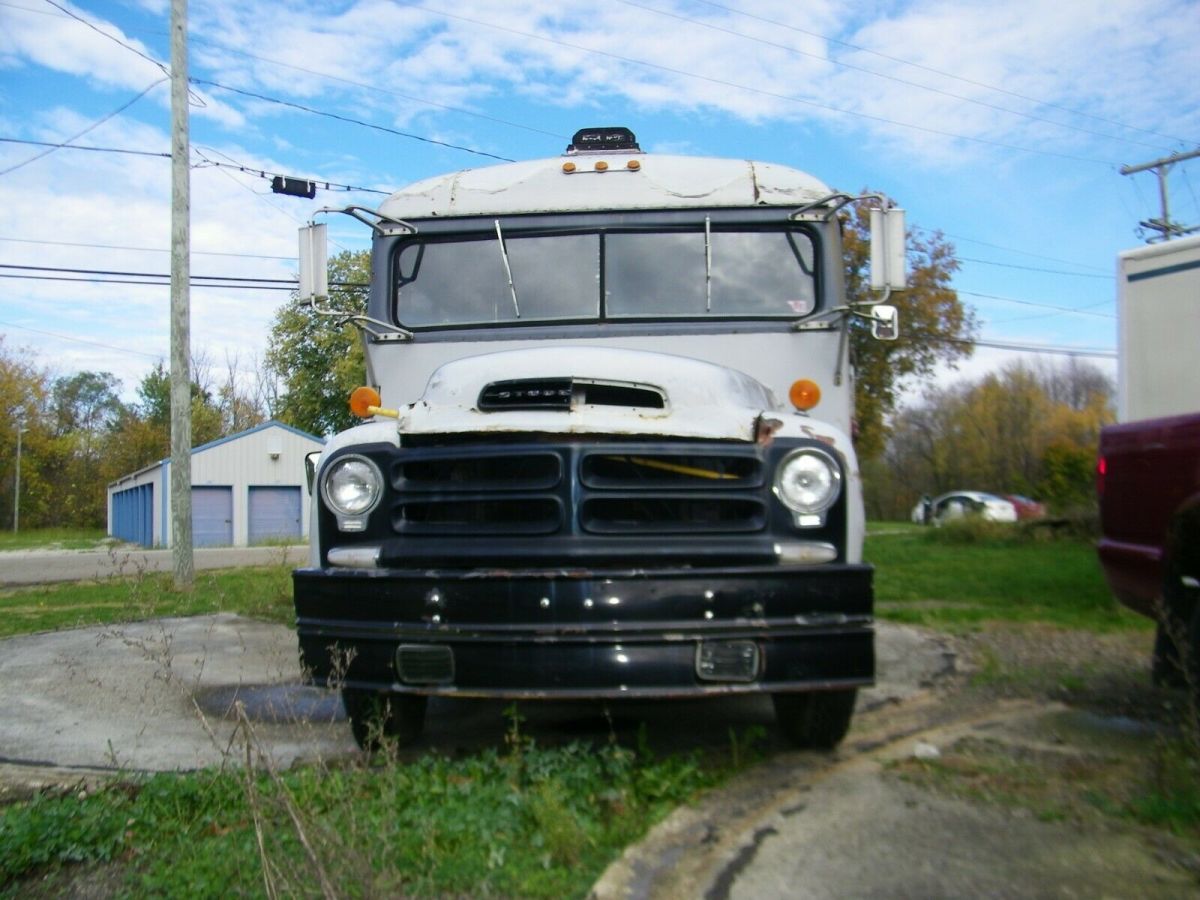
(586, 633)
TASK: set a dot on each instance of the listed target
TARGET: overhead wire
(68, 146)
(163, 66)
(941, 72)
(250, 170)
(53, 147)
(789, 98)
(1082, 311)
(883, 75)
(138, 249)
(375, 88)
(338, 117)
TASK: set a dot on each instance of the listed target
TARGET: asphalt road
(24, 567)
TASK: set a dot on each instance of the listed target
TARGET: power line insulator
(293, 187)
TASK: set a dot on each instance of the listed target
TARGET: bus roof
(626, 181)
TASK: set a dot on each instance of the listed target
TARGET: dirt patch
(1108, 674)
(1047, 765)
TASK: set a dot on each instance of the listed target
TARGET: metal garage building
(247, 489)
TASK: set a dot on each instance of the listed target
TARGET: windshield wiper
(707, 264)
(512, 288)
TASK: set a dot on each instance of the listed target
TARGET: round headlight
(808, 481)
(352, 486)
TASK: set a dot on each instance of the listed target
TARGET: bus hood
(589, 390)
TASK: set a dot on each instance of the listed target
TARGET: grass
(958, 579)
(55, 538)
(525, 822)
(261, 593)
(531, 821)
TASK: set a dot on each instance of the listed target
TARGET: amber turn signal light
(364, 402)
(804, 394)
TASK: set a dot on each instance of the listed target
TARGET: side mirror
(314, 263)
(310, 468)
(888, 252)
(885, 323)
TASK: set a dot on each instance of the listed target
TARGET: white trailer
(1158, 373)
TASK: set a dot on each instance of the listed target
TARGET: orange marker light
(633, 165)
(364, 401)
(568, 167)
(601, 166)
(804, 394)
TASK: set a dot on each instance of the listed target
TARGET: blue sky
(1002, 124)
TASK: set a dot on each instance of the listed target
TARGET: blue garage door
(274, 514)
(212, 516)
(133, 515)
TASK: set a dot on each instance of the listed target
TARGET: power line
(989, 262)
(959, 237)
(65, 146)
(163, 66)
(259, 173)
(1082, 311)
(164, 282)
(904, 81)
(81, 340)
(1096, 352)
(377, 89)
(942, 72)
(764, 93)
(318, 112)
(94, 125)
(144, 274)
(139, 249)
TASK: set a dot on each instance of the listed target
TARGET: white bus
(606, 451)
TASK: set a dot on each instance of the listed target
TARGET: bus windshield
(699, 272)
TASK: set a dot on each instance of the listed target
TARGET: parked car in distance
(1026, 508)
(960, 505)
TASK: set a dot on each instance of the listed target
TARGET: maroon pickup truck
(1148, 480)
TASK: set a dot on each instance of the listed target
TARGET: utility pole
(17, 486)
(1165, 228)
(181, 382)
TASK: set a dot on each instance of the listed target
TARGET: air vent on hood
(564, 393)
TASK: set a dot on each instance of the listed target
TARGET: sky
(1001, 124)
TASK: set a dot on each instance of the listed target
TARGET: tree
(24, 389)
(318, 362)
(935, 327)
(1013, 431)
(84, 407)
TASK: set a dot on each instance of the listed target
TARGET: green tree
(24, 390)
(318, 363)
(84, 407)
(935, 327)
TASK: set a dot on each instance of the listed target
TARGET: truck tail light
(1101, 472)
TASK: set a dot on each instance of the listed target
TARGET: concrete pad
(163, 695)
(159, 695)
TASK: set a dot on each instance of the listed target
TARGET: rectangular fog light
(727, 660)
(425, 664)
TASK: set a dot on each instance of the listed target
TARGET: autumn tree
(1021, 430)
(935, 327)
(24, 389)
(319, 361)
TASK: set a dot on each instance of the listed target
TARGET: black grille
(666, 514)
(578, 489)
